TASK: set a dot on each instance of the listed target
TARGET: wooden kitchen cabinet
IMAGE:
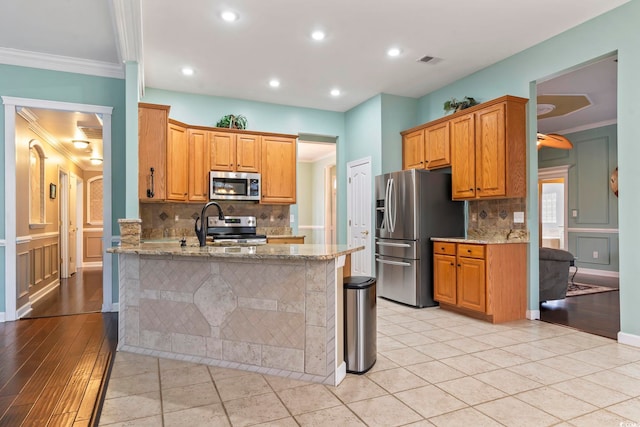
(177, 163)
(278, 170)
(234, 152)
(427, 148)
(495, 134)
(198, 165)
(487, 281)
(152, 151)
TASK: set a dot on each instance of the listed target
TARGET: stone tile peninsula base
(274, 315)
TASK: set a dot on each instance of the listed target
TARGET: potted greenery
(455, 105)
(232, 121)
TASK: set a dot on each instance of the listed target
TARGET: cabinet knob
(238, 164)
(451, 263)
(458, 265)
(471, 189)
(469, 250)
(478, 188)
(442, 248)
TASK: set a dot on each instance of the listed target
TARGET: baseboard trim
(533, 314)
(341, 373)
(94, 264)
(24, 310)
(37, 296)
(593, 272)
(3, 317)
(629, 339)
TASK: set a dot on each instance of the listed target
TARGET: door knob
(365, 232)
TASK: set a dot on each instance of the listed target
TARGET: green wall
(615, 31)
(398, 113)
(24, 82)
(591, 161)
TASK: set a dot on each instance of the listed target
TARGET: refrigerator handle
(392, 205)
(384, 261)
(385, 220)
(394, 245)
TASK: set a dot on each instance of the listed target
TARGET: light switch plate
(574, 213)
(292, 218)
(518, 217)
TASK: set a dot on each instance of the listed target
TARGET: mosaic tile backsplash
(494, 219)
(169, 220)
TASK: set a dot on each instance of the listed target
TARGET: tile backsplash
(168, 220)
(495, 219)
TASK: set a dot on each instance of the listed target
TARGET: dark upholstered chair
(554, 273)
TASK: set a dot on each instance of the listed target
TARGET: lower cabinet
(486, 281)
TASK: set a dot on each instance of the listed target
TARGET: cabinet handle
(150, 192)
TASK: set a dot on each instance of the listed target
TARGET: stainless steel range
(234, 229)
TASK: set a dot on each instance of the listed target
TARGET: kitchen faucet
(202, 231)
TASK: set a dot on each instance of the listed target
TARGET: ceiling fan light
(553, 140)
(95, 160)
(80, 144)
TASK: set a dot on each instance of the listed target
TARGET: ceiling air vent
(428, 59)
(91, 131)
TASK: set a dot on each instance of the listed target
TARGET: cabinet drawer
(470, 251)
(444, 248)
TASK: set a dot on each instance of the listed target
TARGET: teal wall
(614, 31)
(591, 161)
(398, 113)
(364, 133)
(23, 82)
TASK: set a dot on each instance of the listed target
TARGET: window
(36, 183)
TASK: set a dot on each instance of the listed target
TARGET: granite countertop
(267, 251)
(483, 241)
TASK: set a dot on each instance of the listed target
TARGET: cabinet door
(413, 154)
(278, 170)
(463, 169)
(436, 142)
(198, 165)
(444, 278)
(222, 151)
(177, 163)
(471, 284)
(490, 152)
(247, 153)
(152, 152)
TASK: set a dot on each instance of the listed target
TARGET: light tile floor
(434, 368)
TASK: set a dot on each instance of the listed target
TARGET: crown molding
(67, 64)
(588, 127)
(33, 125)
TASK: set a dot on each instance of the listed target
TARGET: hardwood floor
(53, 370)
(597, 314)
(81, 293)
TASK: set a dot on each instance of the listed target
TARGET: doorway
(577, 211)
(20, 107)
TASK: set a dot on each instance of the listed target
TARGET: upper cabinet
(234, 152)
(177, 163)
(152, 151)
(485, 146)
(174, 159)
(278, 170)
(427, 147)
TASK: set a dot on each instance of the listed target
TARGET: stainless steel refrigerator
(411, 207)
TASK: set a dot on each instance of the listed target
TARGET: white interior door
(73, 223)
(359, 213)
(64, 224)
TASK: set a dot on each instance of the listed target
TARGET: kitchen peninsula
(274, 309)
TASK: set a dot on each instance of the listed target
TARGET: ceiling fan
(553, 140)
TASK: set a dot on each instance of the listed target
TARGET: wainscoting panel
(47, 261)
(93, 247)
(38, 265)
(55, 259)
(23, 270)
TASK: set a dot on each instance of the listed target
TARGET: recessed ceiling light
(335, 92)
(394, 51)
(229, 16)
(187, 71)
(95, 160)
(318, 35)
(274, 83)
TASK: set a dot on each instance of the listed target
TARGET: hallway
(81, 293)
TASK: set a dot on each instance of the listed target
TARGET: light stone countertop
(491, 241)
(267, 251)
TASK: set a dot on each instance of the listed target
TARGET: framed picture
(52, 191)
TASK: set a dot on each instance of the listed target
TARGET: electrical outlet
(595, 254)
(292, 218)
(176, 218)
(574, 213)
(518, 217)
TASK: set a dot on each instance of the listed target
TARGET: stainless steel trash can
(360, 329)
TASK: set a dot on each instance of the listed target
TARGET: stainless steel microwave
(234, 186)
